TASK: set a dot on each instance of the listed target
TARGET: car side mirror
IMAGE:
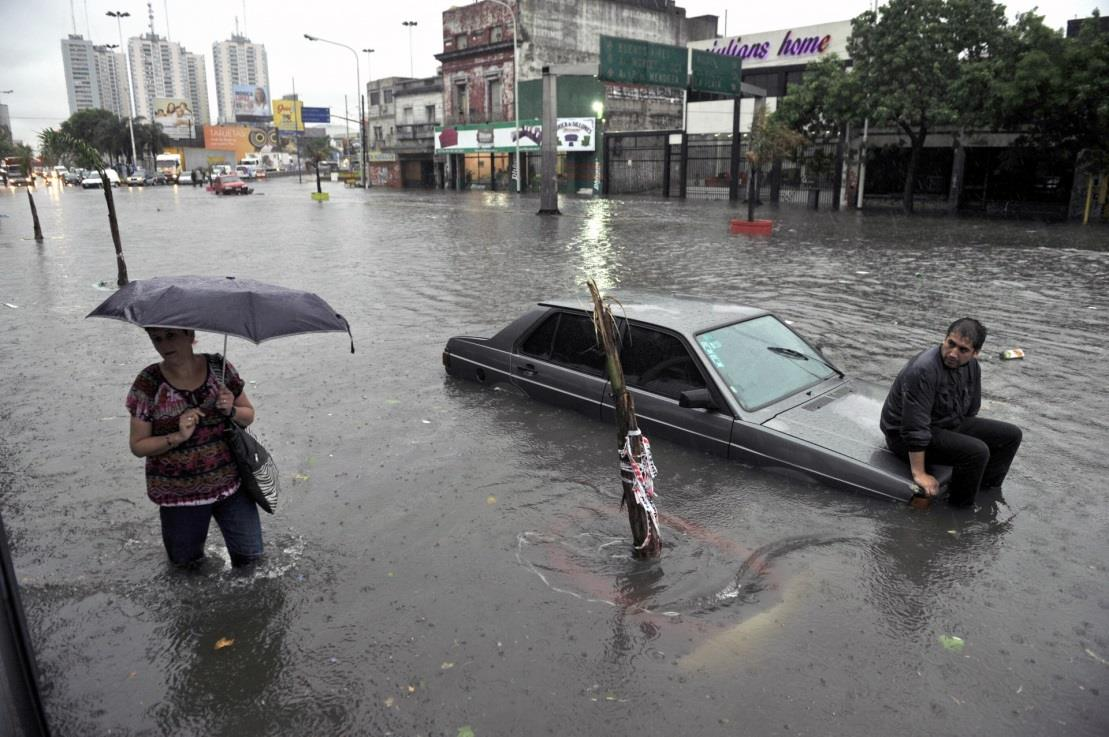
(696, 399)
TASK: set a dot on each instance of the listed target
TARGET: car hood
(844, 420)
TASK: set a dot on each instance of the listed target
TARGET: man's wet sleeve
(918, 395)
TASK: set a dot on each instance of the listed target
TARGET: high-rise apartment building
(95, 77)
(237, 62)
(162, 68)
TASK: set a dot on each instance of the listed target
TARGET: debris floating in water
(9, 304)
(1012, 354)
(223, 642)
(954, 643)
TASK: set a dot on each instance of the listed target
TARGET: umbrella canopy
(246, 308)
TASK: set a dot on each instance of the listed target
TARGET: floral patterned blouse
(201, 470)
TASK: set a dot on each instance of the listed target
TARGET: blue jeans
(184, 530)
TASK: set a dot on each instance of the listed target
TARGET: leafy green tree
(317, 150)
(828, 98)
(771, 138)
(913, 57)
(85, 155)
(1053, 88)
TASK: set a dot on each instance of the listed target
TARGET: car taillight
(446, 359)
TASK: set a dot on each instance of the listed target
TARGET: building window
(496, 34)
(408, 115)
(493, 99)
(461, 41)
(377, 133)
(388, 96)
(792, 80)
(375, 98)
(461, 102)
(429, 112)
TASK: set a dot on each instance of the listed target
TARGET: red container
(751, 227)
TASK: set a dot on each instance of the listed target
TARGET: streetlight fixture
(410, 24)
(361, 112)
(515, 91)
(119, 16)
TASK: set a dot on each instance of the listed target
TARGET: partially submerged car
(731, 380)
(137, 178)
(229, 184)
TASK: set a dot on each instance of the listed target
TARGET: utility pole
(548, 170)
(118, 15)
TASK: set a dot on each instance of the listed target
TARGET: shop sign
(574, 134)
(784, 47)
(716, 73)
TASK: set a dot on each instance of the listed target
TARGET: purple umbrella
(246, 308)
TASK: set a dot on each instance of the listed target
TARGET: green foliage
(771, 138)
(1055, 89)
(829, 97)
(317, 149)
(66, 146)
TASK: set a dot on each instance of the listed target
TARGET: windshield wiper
(790, 353)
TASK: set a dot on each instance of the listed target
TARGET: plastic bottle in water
(1012, 354)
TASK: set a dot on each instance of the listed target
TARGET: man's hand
(927, 482)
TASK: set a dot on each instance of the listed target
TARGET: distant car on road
(137, 178)
(732, 380)
(229, 184)
(73, 176)
(92, 179)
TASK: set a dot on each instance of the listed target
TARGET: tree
(828, 98)
(912, 60)
(87, 156)
(1054, 89)
(25, 165)
(317, 150)
(771, 138)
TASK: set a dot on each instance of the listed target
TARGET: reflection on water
(451, 555)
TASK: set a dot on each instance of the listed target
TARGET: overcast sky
(31, 57)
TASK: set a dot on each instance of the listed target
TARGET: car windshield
(229, 180)
(763, 361)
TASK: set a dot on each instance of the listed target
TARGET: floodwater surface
(451, 557)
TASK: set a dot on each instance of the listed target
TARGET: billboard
(252, 103)
(574, 134)
(175, 115)
(286, 115)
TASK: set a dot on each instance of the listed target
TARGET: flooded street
(450, 556)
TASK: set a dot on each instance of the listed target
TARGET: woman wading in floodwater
(177, 409)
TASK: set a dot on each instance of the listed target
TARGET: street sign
(315, 114)
(642, 62)
(716, 73)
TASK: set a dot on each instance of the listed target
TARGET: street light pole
(119, 16)
(365, 137)
(361, 116)
(411, 24)
(515, 91)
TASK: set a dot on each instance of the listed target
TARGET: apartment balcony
(413, 138)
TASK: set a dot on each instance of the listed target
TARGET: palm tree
(87, 157)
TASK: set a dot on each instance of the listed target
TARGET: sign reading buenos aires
(783, 47)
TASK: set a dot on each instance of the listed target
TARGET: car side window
(538, 344)
(659, 363)
(567, 340)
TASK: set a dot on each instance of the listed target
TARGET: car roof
(681, 313)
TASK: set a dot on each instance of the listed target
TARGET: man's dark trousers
(980, 451)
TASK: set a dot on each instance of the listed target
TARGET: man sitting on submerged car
(931, 413)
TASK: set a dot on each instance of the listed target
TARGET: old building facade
(480, 78)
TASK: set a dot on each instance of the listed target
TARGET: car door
(658, 367)
(558, 362)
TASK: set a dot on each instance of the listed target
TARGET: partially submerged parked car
(137, 178)
(229, 184)
(731, 380)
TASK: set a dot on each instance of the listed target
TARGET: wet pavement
(451, 557)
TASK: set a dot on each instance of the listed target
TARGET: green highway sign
(642, 62)
(716, 73)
